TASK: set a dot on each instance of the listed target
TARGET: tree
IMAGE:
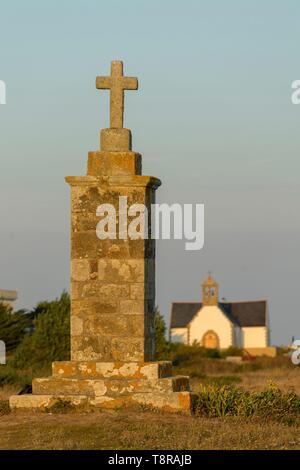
(50, 339)
(13, 326)
(161, 344)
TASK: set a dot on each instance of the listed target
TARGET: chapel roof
(248, 313)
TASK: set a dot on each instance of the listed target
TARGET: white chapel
(214, 324)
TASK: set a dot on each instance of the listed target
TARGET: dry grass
(7, 391)
(132, 430)
(254, 376)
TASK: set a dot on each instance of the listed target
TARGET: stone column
(112, 280)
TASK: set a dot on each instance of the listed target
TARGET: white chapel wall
(179, 335)
(255, 336)
(211, 318)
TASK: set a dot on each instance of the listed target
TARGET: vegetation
(13, 326)
(215, 401)
(35, 339)
(229, 395)
(162, 346)
(144, 430)
(50, 339)
(4, 407)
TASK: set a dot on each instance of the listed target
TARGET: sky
(213, 119)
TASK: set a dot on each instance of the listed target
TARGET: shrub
(218, 401)
(50, 339)
(13, 326)
(161, 344)
(10, 376)
(232, 351)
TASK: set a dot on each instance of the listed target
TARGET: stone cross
(116, 83)
(112, 287)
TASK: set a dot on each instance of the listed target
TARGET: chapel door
(210, 340)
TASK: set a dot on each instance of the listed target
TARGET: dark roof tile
(252, 313)
(183, 312)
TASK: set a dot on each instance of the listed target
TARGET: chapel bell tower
(210, 291)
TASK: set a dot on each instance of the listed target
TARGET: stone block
(123, 270)
(182, 402)
(126, 370)
(83, 307)
(40, 402)
(172, 402)
(107, 386)
(128, 349)
(115, 140)
(132, 307)
(80, 270)
(98, 290)
(114, 163)
(113, 325)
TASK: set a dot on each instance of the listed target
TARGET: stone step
(172, 401)
(94, 369)
(112, 387)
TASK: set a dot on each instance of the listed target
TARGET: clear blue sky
(213, 119)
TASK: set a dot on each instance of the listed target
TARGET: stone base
(109, 385)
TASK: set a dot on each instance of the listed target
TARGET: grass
(222, 380)
(19, 378)
(128, 429)
(223, 401)
(4, 407)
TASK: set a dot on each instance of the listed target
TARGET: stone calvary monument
(112, 287)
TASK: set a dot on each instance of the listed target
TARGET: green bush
(11, 376)
(215, 401)
(161, 344)
(50, 339)
(232, 351)
(13, 326)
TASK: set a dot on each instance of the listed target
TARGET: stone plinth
(109, 385)
(112, 285)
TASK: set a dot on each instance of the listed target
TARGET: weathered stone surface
(94, 306)
(126, 370)
(119, 325)
(91, 348)
(109, 386)
(99, 347)
(86, 245)
(116, 83)
(114, 163)
(43, 401)
(172, 402)
(99, 290)
(126, 270)
(115, 140)
(129, 349)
